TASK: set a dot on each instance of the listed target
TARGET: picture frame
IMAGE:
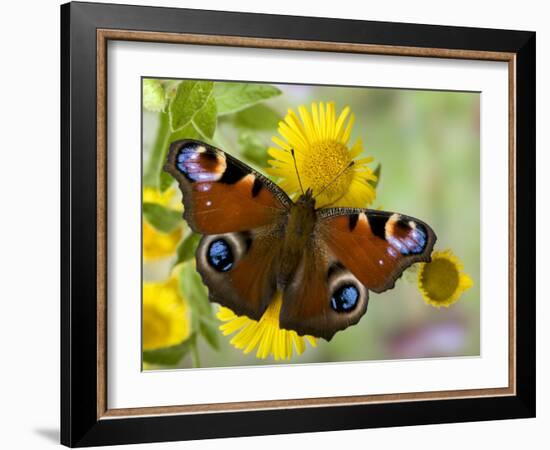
(86, 30)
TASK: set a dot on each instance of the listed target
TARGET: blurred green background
(427, 143)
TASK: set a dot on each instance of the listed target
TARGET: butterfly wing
(241, 213)
(377, 246)
(220, 193)
(312, 301)
(240, 268)
(352, 251)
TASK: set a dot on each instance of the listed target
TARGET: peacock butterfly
(256, 240)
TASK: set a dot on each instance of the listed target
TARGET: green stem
(195, 354)
(151, 175)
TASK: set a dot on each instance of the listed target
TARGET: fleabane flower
(325, 161)
(442, 281)
(157, 244)
(165, 314)
(264, 334)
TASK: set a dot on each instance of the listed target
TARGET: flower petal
(308, 123)
(294, 139)
(339, 129)
(347, 133)
(330, 121)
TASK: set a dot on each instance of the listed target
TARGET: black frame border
(79, 423)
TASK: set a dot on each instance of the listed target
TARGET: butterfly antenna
(296, 168)
(338, 175)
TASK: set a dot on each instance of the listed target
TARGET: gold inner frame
(103, 36)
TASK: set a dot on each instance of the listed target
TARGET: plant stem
(151, 175)
(195, 354)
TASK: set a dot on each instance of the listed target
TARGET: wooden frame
(86, 418)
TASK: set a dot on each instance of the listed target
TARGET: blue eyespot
(345, 299)
(220, 256)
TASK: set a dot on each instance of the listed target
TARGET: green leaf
(154, 97)
(162, 218)
(209, 329)
(233, 97)
(187, 132)
(166, 180)
(204, 121)
(169, 356)
(253, 149)
(186, 249)
(190, 97)
(377, 172)
(170, 88)
(258, 117)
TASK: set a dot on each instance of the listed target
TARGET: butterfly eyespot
(220, 256)
(345, 298)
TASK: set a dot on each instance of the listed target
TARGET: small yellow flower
(169, 198)
(156, 244)
(264, 334)
(320, 143)
(165, 315)
(442, 281)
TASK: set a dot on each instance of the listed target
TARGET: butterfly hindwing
(220, 193)
(240, 269)
(323, 297)
(376, 246)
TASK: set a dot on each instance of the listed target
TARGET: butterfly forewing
(220, 193)
(377, 246)
(241, 213)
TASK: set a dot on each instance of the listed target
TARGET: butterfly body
(298, 235)
(257, 241)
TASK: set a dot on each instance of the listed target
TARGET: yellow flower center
(434, 273)
(327, 160)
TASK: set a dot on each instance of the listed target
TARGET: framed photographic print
(269, 220)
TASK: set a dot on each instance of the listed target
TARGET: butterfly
(257, 241)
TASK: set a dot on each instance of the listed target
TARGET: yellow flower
(165, 315)
(324, 161)
(169, 198)
(156, 244)
(264, 334)
(442, 281)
